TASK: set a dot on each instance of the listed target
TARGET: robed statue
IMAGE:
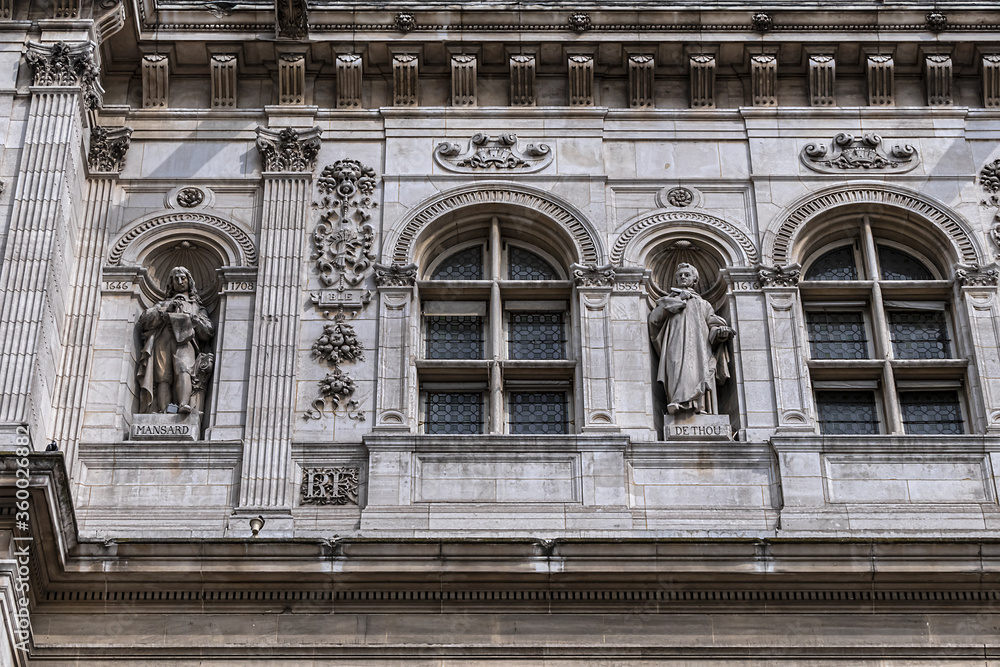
(689, 338)
(173, 366)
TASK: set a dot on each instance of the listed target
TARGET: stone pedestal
(167, 427)
(690, 426)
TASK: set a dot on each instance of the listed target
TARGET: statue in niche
(690, 339)
(173, 370)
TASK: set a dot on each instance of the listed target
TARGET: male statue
(689, 337)
(171, 363)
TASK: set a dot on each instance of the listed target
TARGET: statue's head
(180, 281)
(686, 276)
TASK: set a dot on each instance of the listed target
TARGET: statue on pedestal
(173, 370)
(690, 339)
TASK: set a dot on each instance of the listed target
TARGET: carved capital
(973, 275)
(395, 275)
(288, 150)
(779, 276)
(61, 64)
(589, 275)
(108, 146)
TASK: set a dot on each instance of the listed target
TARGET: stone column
(37, 262)
(288, 159)
(106, 158)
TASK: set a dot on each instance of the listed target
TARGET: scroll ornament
(486, 153)
(974, 275)
(865, 154)
(779, 276)
(589, 275)
(336, 345)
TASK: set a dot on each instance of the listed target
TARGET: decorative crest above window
(486, 153)
(865, 154)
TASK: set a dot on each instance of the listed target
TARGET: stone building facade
(412, 395)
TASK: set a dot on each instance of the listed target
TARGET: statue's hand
(723, 334)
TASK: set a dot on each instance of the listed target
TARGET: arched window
(883, 355)
(495, 355)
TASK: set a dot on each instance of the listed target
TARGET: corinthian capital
(108, 146)
(288, 149)
(62, 64)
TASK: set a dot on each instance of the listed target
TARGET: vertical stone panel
(640, 81)
(155, 81)
(764, 79)
(464, 74)
(223, 80)
(822, 76)
(938, 79)
(405, 79)
(702, 71)
(596, 349)
(348, 81)
(396, 348)
(581, 81)
(788, 359)
(991, 80)
(522, 80)
(984, 327)
(291, 78)
(32, 293)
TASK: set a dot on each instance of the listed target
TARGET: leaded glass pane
(838, 264)
(931, 412)
(847, 412)
(837, 335)
(525, 265)
(538, 412)
(897, 265)
(919, 334)
(454, 413)
(454, 337)
(463, 265)
(537, 336)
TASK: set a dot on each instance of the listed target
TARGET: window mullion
(497, 348)
(880, 326)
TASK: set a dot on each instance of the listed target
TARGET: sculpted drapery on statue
(173, 369)
(689, 338)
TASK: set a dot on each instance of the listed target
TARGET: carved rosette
(288, 149)
(344, 239)
(989, 181)
(973, 275)
(330, 486)
(108, 147)
(589, 275)
(492, 154)
(779, 276)
(865, 154)
(61, 64)
(395, 275)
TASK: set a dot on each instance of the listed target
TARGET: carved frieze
(589, 275)
(486, 153)
(108, 147)
(974, 275)
(288, 149)
(343, 239)
(60, 64)
(779, 276)
(847, 153)
(330, 486)
(395, 275)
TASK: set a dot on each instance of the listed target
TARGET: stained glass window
(931, 412)
(454, 413)
(898, 265)
(838, 264)
(537, 336)
(463, 265)
(454, 337)
(525, 265)
(847, 412)
(540, 413)
(919, 334)
(837, 335)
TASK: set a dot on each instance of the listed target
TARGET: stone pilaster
(764, 79)
(881, 80)
(938, 79)
(593, 287)
(702, 71)
(822, 77)
(978, 296)
(348, 81)
(38, 257)
(464, 75)
(641, 67)
(789, 355)
(405, 79)
(395, 409)
(223, 80)
(581, 80)
(108, 148)
(522, 80)
(288, 160)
